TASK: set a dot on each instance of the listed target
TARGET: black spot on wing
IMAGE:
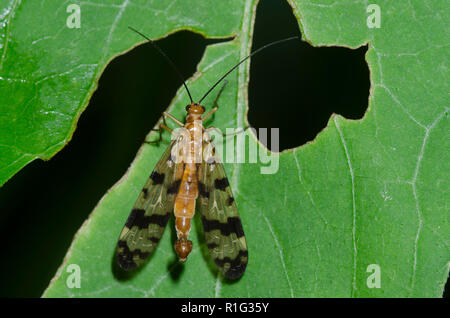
(237, 264)
(138, 218)
(155, 239)
(173, 188)
(159, 219)
(143, 255)
(230, 201)
(212, 245)
(135, 215)
(125, 257)
(145, 192)
(202, 190)
(221, 184)
(233, 225)
(157, 178)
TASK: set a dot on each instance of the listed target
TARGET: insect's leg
(227, 135)
(216, 105)
(173, 118)
(160, 128)
(164, 126)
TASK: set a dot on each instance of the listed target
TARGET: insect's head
(195, 108)
(183, 247)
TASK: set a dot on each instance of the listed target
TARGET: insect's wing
(222, 225)
(149, 216)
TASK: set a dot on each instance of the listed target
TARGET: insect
(175, 185)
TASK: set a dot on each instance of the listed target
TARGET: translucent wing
(223, 228)
(149, 216)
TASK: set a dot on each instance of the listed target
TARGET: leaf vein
(352, 176)
(275, 239)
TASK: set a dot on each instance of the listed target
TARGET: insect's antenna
(166, 57)
(243, 60)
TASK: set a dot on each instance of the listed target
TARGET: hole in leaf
(296, 87)
(46, 202)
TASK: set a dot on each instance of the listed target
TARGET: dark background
(294, 87)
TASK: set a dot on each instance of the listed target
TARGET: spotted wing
(149, 216)
(222, 225)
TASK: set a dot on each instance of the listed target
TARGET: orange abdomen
(184, 208)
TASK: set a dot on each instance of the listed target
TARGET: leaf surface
(363, 192)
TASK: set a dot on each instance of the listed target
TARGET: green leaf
(363, 192)
(48, 72)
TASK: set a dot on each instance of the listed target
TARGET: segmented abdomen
(184, 208)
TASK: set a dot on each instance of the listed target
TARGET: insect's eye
(188, 107)
(203, 109)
